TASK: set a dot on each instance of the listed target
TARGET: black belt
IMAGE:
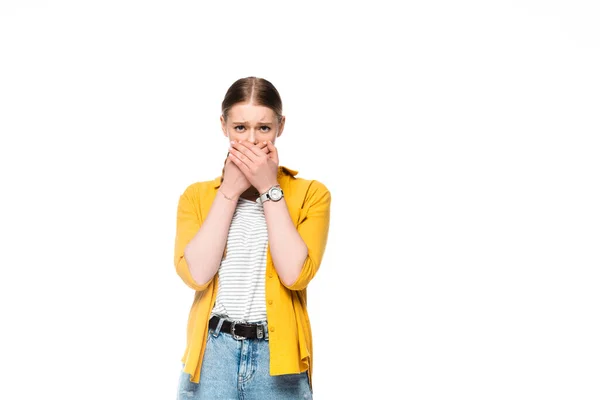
(238, 330)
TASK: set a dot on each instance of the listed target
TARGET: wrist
(228, 193)
(265, 189)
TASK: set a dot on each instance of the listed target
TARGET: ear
(281, 125)
(223, 126)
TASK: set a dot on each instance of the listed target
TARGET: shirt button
(270, 274)
(272, 329)
(270, 301)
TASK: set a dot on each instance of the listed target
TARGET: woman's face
(253, 123)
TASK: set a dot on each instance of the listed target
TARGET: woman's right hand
(234, 181)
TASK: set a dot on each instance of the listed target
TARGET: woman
(249, 242)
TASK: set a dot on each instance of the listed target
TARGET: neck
(251, 193)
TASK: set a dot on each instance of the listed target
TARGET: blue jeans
(239, 370)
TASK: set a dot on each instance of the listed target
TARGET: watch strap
(265, 196)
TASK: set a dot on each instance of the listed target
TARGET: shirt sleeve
(188, 223)
(313, 229)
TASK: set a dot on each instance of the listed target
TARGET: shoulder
(312, 190)
(313, 185)
(199, 189)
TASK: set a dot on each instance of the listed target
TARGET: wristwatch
(274, 193)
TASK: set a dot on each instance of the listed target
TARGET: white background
(459, 141)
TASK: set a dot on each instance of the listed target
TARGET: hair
(254, 90)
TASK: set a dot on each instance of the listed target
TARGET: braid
(222, 176)
(223, 172)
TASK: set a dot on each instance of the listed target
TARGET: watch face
(275, 194)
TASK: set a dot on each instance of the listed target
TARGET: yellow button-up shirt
(290, 337)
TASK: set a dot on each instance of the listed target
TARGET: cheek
(233, 135)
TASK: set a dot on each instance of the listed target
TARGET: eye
(241, 128)
(265, 128)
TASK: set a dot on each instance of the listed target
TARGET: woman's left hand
(259, 168)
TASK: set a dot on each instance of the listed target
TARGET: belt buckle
(232, 331)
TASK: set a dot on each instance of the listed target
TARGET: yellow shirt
(290, 337)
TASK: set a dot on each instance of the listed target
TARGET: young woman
(249, 242)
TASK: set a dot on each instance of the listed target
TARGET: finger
(273, 154)
(264, 147)
(252, 150)
(271, 147)
(242, 152)
(240, 164)
(242, 157)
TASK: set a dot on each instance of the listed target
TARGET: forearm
(288, 250)
(204, 252)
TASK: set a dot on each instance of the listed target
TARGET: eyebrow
(260, 123)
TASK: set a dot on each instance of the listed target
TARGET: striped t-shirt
(241, 289)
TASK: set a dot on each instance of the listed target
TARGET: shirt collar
(280, 172)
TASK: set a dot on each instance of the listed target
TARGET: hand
(259, 167)
(234, 181)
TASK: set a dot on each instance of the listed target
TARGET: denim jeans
(239, 370)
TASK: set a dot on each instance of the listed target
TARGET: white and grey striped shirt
(241, 290)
